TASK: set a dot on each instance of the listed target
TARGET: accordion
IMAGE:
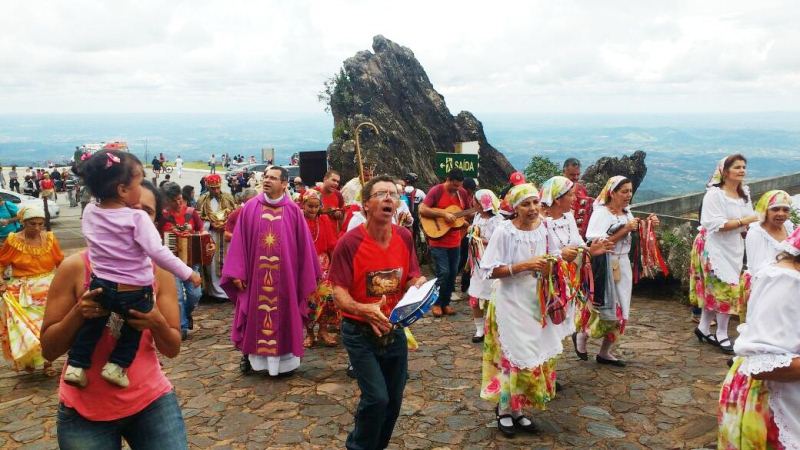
(191, 248)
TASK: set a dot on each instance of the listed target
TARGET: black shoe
(559, 388)
(244, 365)
(191, 322)
(351, 372)
(707, 338)
(508, 432)
(730, 362)
(184, 335)
(610, 362)
(726, 348)
(477, 339)
(530, 428)
(582, 355)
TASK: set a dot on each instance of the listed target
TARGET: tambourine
(415, 303)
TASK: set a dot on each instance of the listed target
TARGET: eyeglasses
(385, 194)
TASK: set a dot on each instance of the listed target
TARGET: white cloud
(527, 56)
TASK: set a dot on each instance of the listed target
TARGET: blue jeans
(80, 355)
(381, 375)
(446, 267)
(188, 298)
(158, 426)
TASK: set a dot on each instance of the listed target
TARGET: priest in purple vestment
(270, 270)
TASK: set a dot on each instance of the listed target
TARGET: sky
(235, 56)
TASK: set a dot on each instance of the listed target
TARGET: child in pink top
(121, 243)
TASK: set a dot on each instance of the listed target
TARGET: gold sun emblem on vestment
(269, 240)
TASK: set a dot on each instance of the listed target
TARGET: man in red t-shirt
(372, 267)
(445, 251)
(332, 200)
(582, 206)
(178, 217)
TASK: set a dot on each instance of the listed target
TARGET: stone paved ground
(665, 398)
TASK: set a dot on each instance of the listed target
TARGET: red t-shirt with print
(438, 197)
(170, 219)
(369, 271)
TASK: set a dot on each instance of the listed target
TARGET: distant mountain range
(682, 149)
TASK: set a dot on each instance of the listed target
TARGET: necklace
(557, 227)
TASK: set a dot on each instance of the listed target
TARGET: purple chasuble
(273, 253)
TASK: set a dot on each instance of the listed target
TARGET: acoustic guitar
(434, 228)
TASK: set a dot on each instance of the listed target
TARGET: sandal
(49, 370)
(309, 340)
(244, 365)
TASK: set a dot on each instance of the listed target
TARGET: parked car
(22, 200)
(258, 168)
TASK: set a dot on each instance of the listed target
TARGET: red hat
(213, 180)
(516, 178)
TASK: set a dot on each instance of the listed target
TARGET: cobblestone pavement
(665, 398)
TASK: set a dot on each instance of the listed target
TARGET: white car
(22, 200)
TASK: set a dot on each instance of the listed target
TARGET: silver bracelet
(511, 270)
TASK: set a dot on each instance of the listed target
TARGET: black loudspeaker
(313, 166)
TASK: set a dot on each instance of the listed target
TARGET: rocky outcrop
(632, 167)
(391, 89)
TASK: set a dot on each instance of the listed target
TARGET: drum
(415, 303)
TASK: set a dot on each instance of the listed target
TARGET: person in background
(298, 187)
(179, 166)
(55, 175)
(203, 187)
(33, 255)
(188, 196)
(582, 206)
(332, 201)
(716, 277)
(214, 207)
(763, 241)
(178, 217)
(9, 222)
(85, 196)
(71, 186)
(13, 180)
(146, 414)
(479, 234)
(156, 163)
(230, 224)
(471, 186)
(165, 180)
(445, 250)
(515, 179)
(48, 188)
(415, 198)
(2, 179)
(212, 164)
(29, 186)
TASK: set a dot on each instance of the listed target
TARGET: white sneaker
(115, 374)
(75, 376)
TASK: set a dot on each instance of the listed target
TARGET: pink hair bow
(111, 160)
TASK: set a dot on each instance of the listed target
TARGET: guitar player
(446, 250)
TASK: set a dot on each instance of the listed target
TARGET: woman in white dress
(763, 241)
(479, 233)
(760, 397)
(520, 345)
(612, 220)
(716, 279)
(558, 195)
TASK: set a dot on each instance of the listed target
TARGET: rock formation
(391, 89)
(632, 167)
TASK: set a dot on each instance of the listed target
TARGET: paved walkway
(665, 398)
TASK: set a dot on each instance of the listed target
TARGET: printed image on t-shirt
(384, 282)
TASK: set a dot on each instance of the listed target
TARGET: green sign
(445, 162)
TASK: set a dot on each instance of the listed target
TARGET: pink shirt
(122, 241)
(102, 401)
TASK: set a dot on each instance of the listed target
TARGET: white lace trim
(722, 271)
(786, 432)
(756, 364)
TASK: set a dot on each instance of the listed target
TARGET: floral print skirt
(709, 292)
(21, 314)
(513, 388)
(588, 321)
(321, 308)
(744, 417)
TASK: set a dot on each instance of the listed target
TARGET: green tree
(337, 93)
(540, 169)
